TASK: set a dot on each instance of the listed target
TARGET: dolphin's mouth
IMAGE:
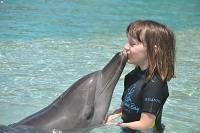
(107, 85)
(118, 72)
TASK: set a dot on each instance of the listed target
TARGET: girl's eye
(132, 44)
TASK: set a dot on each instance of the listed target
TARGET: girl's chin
(130, 62)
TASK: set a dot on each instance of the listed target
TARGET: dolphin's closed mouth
(119, 69)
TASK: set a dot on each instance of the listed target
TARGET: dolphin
(83, 105)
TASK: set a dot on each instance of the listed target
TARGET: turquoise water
(45, 46)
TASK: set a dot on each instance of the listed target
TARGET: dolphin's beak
(124, 52)
(124, 55)
(112, 71)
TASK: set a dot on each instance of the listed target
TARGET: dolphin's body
(83, 105)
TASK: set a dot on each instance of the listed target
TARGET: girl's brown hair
(160, 43)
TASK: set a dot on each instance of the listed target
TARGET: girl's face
(137, 53)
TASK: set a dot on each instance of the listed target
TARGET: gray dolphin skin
(83, 105)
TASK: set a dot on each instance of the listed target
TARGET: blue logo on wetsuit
(128, 101)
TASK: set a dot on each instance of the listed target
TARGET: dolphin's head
(106, 83)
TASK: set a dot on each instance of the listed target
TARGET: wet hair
(160, 43)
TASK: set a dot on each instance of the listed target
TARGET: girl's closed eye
(132, 44)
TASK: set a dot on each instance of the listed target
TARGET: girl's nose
(126, 46)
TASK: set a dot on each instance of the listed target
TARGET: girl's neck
(144, 66)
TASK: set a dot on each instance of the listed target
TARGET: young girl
(151, 48)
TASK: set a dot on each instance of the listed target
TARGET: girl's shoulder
(156, 84)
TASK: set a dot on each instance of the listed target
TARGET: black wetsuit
(143, 96)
